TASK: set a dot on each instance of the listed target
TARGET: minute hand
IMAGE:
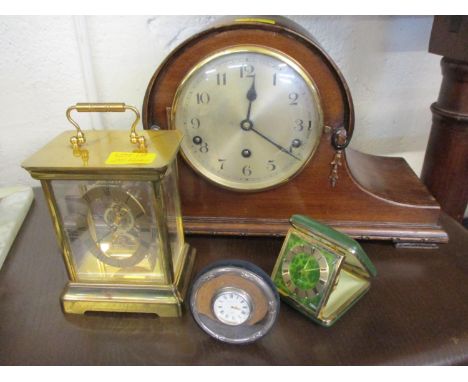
(281, 148)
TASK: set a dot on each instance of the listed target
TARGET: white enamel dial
(232, 307)
(251, 118)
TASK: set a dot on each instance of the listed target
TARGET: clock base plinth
(163, 301)
(375, 198)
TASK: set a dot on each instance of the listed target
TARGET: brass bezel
(252, 48)
(286, 272)
(333, 273)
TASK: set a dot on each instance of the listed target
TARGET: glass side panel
(173, 214)
(111, 230)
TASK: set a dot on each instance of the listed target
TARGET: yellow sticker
(254, 20)
(117, 157)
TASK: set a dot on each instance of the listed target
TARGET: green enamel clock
(321, 272)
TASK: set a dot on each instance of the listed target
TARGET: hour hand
(252, 93)
(251, 96)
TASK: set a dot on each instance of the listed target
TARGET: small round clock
(234, 301)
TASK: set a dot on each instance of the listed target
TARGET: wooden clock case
(370, 197)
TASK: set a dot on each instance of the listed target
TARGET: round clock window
(251, 118)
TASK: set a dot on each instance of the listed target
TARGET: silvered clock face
(251, 118)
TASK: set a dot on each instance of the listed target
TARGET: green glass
(321, 272)
(305, 271)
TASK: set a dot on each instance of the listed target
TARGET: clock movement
(267, 118)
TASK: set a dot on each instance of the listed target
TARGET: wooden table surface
(416, 312)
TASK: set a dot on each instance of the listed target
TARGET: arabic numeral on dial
(195, 122)
(293, 97)
(221, 79)
(274, 79)
(203, 98)
(271, 165)
(246, 170)
(247, 70)
(300, 124)
(203, 148)
(221, 163)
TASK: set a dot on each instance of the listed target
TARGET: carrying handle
(79, 139)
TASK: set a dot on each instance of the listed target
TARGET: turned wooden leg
(445, 169)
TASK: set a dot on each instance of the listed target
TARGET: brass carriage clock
(115, 208)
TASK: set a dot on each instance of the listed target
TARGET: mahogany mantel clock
(267, 117)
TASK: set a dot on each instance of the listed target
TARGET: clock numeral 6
(246, 170)
(203, 98)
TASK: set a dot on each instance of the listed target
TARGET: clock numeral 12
(247, 70)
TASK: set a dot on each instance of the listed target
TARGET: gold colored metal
(335, 164)
(59, 234)
(255, 20)
(57, 161)
(111, 218)
(80, 139)
(164, 301)
(348, 278)
(166, 261)
(214, 178)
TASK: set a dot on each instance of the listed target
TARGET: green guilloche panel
(302, 279)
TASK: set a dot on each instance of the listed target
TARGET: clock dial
(251, 118)
(234, 301)
(119, 232)
(232, 306)
(305, 271)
